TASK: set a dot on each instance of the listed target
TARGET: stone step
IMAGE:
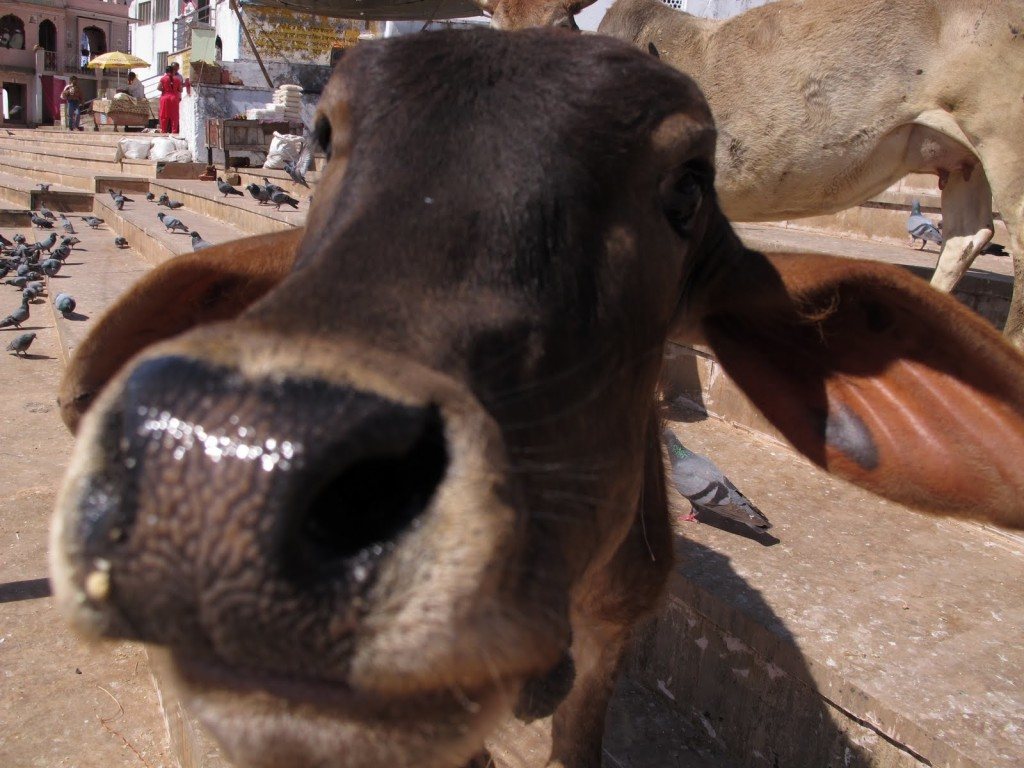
(23, 192)
(87, 138)
(88, 158)
(858, 633)
(65, 175)
(138, 222)
(242, 212)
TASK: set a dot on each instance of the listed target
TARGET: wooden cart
(120, 112)
(243, 136)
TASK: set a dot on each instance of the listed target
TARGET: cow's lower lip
(263, 720)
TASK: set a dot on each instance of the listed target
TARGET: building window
(161, 62)
(144, 12)
(48, 35)
(12, 32)
(161, 10)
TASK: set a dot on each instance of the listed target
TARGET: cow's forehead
(514, 86)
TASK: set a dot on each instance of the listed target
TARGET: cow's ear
(217, 283)
(878, 378)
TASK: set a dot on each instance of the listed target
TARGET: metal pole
(255, 51)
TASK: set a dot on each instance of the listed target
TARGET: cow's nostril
(373, 499)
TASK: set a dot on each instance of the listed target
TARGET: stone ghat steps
(245, 213)
(69, 175)
(88, 158)
(139, 224)
(23, 192)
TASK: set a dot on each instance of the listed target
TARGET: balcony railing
(181, 30)
(49, 61)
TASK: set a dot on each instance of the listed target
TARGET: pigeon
(298, 174)
(66, 225)
(280, 198)
(119, 203)
(226, 189)
(32, 290)
(17, 317)
(21, 343)
(46, 213)
(20, 239)
(48, 243)
(270, 187)
(121, 242)
(172, 224)
(259, 193)
(150, 196)
(70, 242)
(112, 193)
(198, 243)
(42, 223)
(11, 133)
(65, 303)
(42, 187)
(51, 267)
(61, 252)
(921, 228)
(995, 249)
(34, 285)
(92, 221)
(708, 489)
(172, 204)
(18, 282)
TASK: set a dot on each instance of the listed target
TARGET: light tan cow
(822, 104)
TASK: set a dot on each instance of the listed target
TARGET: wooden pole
(255, 51)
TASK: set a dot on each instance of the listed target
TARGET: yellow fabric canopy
(117, 60)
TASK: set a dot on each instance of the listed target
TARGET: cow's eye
(682, 199)
(322, 135)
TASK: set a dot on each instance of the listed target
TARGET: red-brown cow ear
(878, 378)
(217, 283)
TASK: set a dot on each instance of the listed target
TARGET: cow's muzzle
(299, 526)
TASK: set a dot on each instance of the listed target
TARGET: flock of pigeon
(267, 194)
(31, 265)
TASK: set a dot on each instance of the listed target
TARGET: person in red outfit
(170, 98)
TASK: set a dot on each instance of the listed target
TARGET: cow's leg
(627, 588)
(966, 225)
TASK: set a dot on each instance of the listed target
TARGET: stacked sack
(287, 105)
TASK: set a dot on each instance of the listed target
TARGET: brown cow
(417, 485)
(822, 104)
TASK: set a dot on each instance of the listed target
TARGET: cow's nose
(294, 489)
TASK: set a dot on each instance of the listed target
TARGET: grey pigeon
(198, 243)
(163, 199)
(174, 204)
(67, 225)
(298, 174)
(51, 267)
(121, 242)
(61, 252)
(70, 242)
(226, 189)
(173, 224)
(279, 198)
(20, 238)
(17, 317)
(65, 303)
(18, 282)
(119, 203)
(150, 196)
(48, 243)
(21, 343)
(270, 187)
(32, 290)
(708, 489)
(42, 223)
(42, 187)
(921, 228)
(92, 221)
(46, 213)
(259, 193)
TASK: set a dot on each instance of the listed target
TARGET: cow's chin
(265, 722)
